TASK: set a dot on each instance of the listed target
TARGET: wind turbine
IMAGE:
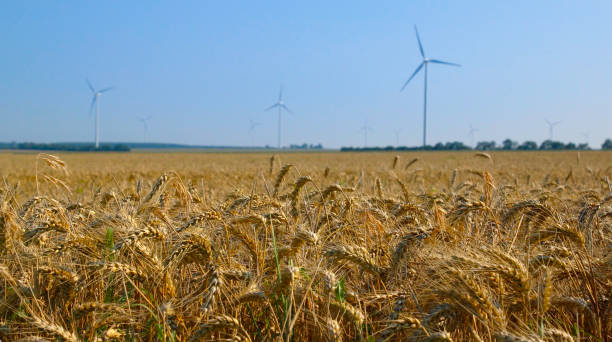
(365, 128)
(424, 63)
(471, 134)
(144, 126)
(95, 101)
(252, 125)
(397, 134)
(551, 127)
(280, 105)
(586, 137)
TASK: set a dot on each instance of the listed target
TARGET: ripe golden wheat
(330, 247)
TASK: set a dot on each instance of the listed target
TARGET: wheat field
(306, 246)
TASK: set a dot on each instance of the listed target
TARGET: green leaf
(109, 243)
(340, 290)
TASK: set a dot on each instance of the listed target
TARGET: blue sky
(202, 69)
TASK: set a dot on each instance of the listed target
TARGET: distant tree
(509, 145)
(557, 145)
(485, 145)
(546, 145)
(583, 146)
(528, 146)
(607, 145)
(121, 148)
(570, 146)
(552, 145)
(455, 146)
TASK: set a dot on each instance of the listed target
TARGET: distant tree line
(75, 147)
(546, 145)
(305, 146)
(506, 145)
(449, 146)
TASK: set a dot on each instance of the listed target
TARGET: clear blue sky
(202, 69)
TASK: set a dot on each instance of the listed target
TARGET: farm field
(438, 246)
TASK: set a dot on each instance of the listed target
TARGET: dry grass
(324, 247)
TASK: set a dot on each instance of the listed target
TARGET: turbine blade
(443, 62)
(272, 106)
(287, 109)
(280, 94)
(253, 124)
(93, 102)
(413, 74)
(90, 86)
(419, 40)
(106, 89)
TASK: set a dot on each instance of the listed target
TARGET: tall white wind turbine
(95, 101)
(145, 126)
(365, 129)
(252, 126)
(471, 134)
(280, 104)
(424, 64)
(551, 128)
(397, 136)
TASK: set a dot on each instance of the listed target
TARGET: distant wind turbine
(144, 126)
(365, 128)
(95, 101)
(397, 134)
(280, 105)
(424, 63)
(471, 134)
(252, 126)
(586, 137)
(551, 127)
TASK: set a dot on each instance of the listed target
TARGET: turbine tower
(95, 101)
(365, 128)
(424, 63)
(397, 135)
(551, 128)
(144, 126)
(280, 105)
(471, 134)
(252, 126)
